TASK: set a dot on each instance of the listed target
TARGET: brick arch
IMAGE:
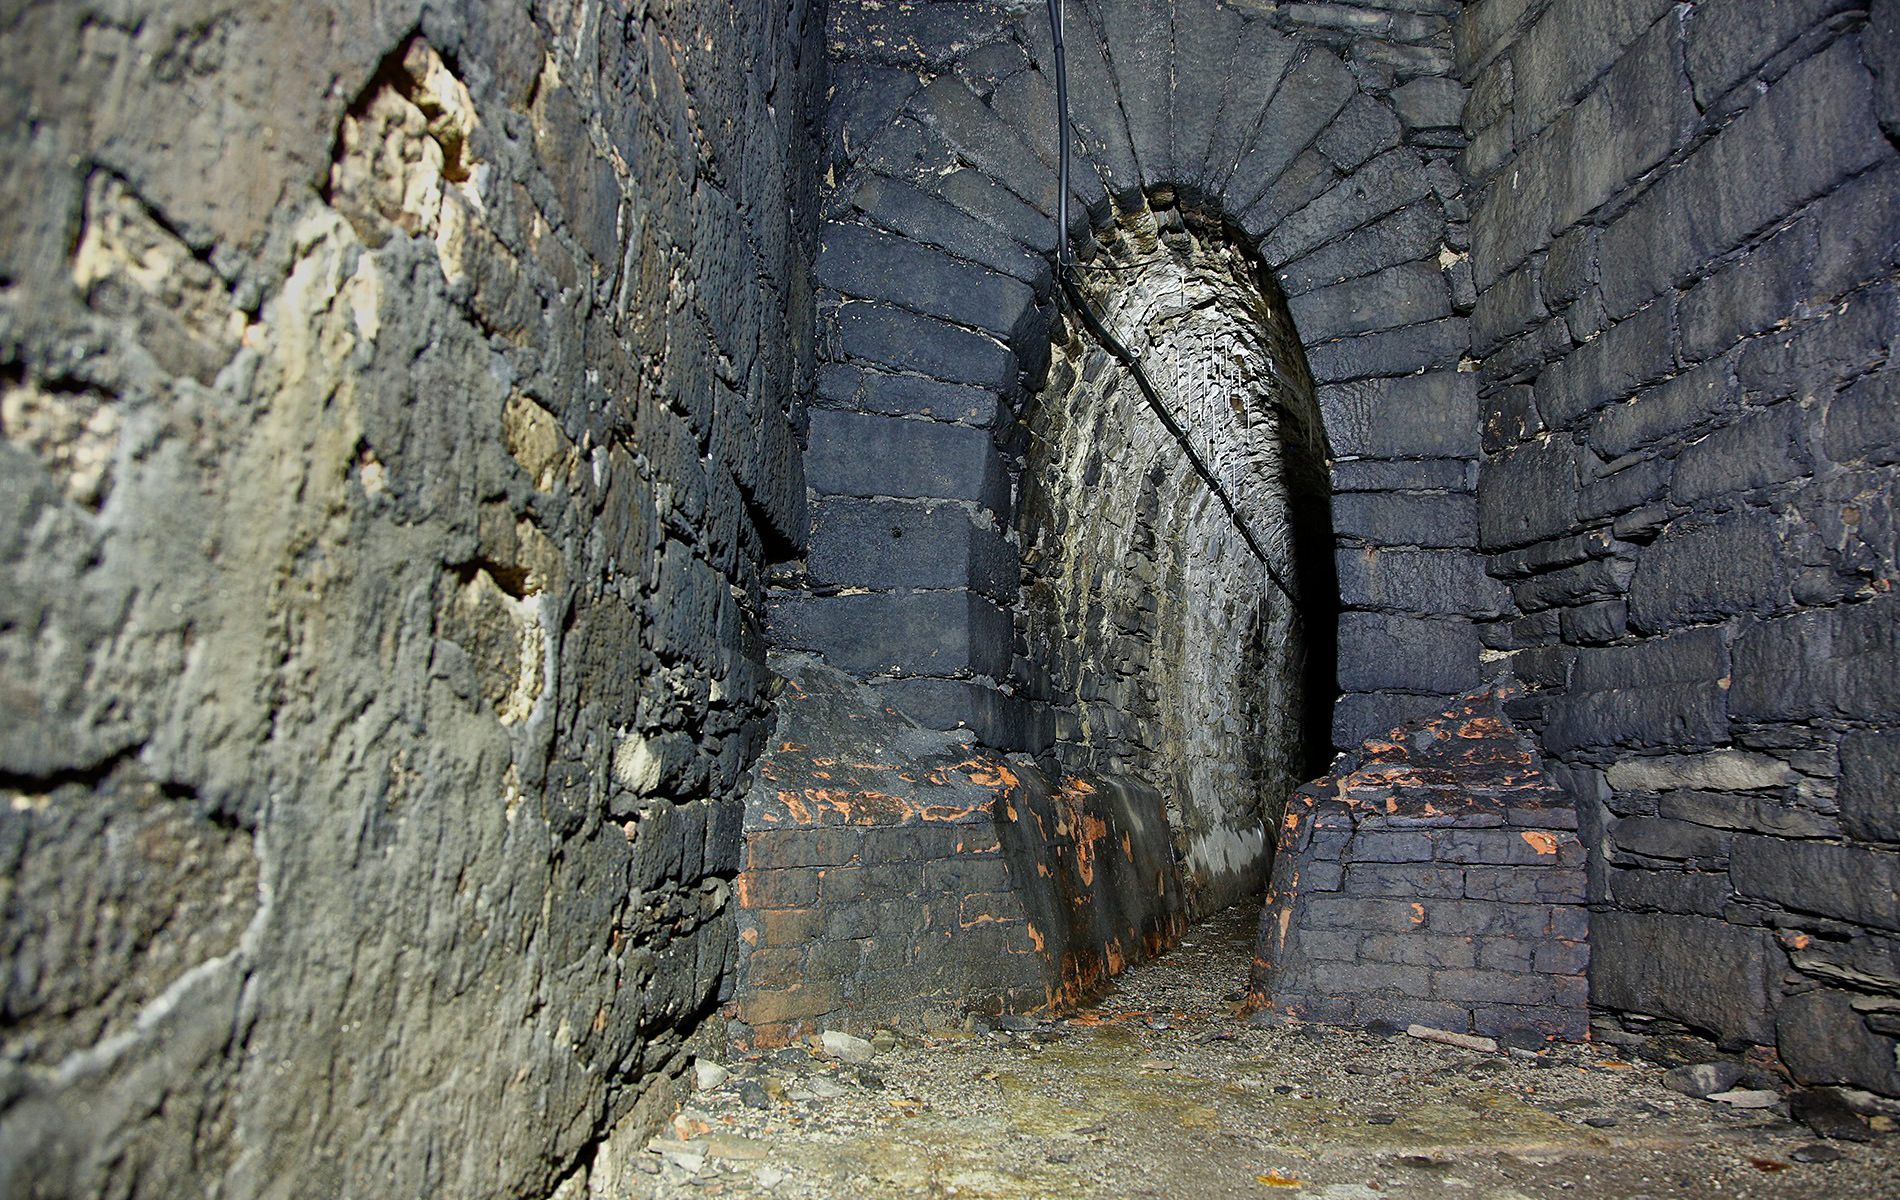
(936, 296)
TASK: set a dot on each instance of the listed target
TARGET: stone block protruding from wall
(1434, 878)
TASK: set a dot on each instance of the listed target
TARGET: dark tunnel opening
(1179, 596)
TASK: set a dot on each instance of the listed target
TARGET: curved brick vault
(936, 296)
(1166, 638)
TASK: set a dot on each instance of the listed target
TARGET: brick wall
(1684, 245)
(899, 876)
(1433, 878)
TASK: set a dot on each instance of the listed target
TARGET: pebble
(1816, 1152)
(708, 1074)
(844, 1046)
(752, 1094)
(684, 1155)
(1600, 1122)
(733, 1146)
(1702, 1080)
(883, 1041)
(1381, 1119)
(1468, 1041)
(1747, 1098)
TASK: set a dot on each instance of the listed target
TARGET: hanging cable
(1071, 289)
(1062, 136)
(1128, 360)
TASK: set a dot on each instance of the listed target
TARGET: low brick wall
(1095, 869)
(848, 924)
(894, 875)
(1436, 878)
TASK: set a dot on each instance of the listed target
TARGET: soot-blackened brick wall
(1684, 244)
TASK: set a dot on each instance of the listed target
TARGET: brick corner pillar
(1437, 879)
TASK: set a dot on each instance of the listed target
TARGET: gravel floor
(1163, 1090)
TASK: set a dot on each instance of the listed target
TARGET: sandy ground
(1162, 1089)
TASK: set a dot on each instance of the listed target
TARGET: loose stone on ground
(1165, 1089)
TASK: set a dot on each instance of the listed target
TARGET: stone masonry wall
(1685, 252)
(1328, 161)
(936, 297)
(935, 309)
(393, 424)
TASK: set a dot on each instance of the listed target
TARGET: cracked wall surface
(396, 409)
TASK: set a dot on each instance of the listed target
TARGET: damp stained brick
(894, 874)
(1461, 899)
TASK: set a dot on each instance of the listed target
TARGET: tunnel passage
(951, 814)
(1178, 603)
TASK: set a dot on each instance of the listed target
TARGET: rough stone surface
(397, 414)
(1686, 463)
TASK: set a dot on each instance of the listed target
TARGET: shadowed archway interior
(1178, 599)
